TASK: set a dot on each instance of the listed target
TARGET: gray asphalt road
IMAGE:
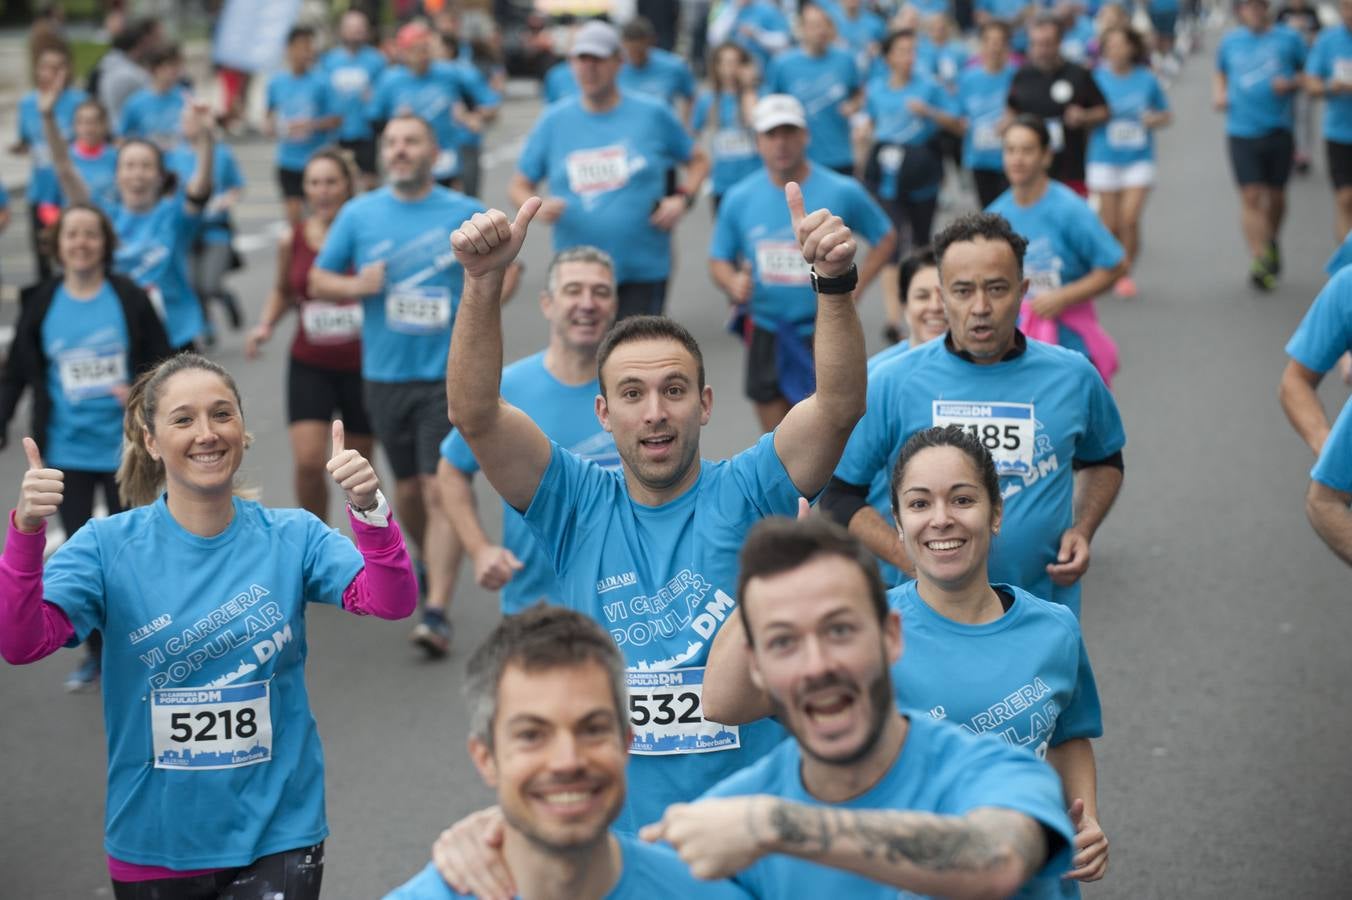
(1215, 620)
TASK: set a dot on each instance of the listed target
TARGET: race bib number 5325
(211, 728)
(666, 711)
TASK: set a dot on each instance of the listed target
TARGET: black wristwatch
(839, 284)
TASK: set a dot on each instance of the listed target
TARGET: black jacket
(27, 364)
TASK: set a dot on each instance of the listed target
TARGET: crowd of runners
(845, 661)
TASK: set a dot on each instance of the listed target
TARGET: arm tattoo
(982, 841)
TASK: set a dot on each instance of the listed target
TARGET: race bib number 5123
(211, 728)
(1007, 430)
(666, 711)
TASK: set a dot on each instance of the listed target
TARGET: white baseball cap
(596, 38)
(774, 110)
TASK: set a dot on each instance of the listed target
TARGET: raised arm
(989, 852)
(73, 187)
(511, 449)
(810, 439)
(198, 189)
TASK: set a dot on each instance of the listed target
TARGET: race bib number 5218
(211, 728)
(666, 711)
(1007, 430)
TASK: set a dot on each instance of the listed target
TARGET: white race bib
(781, 262)
(1007, 430)
(350, 80)
(418, 310)
(1057, 132)
(88, 372)
(666, 711)
(986, 136)
(1342, 71)
(733, 143)
(1127, 134)
(891, 157)
(445, 166)
(597, 171)
(1042, 281)
(198, 729)
(331, 323)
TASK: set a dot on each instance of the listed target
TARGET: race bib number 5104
(1007, 430)
(666, 710)
(211, 728)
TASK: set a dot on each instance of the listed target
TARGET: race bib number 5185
(666, 711)
(1007, 430)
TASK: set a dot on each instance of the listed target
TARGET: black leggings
(293, 874)
(77, 508)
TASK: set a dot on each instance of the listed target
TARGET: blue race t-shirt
(152, 250)
(42, 183)
(752, 23)
(940, 770)
(567, 416)
(610, 169)
(1037, 413)
(821, 84)
(1334, 467)
(733, 144)
(1331, 60)
(1249, 62)
(1008, 11)
(860, 34)
(559, 82)
(753, 225)
(299, 98)
(893, 121)
(1024, 678)
(1066, 240)
(225, 176)
(981, 101)
(98, 171)
(1124, 139)
(406, 329)
(476, 93)
(943, 63)
(661, 580)
(647, 872)
(664, 77)
(432, 96)
(155, 117)
(351, 78)
(213, 757)
(880, 489)
(86, 345)
(1325, 333)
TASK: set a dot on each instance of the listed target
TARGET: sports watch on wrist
(837, 284)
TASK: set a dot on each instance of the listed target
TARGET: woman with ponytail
(81, 336)
(203, 664)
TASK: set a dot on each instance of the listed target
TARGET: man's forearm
(1331, 517)
(989, 852)
(1096, 488)
(695, 172)
(1074, 761)
(1301, 404)
(878, 256)
(326, 285)
(881, 538)
(474, 370)
(457, 495)
(839, 359)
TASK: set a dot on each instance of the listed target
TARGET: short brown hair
(540, 638)
(778, 544)
(646, 328)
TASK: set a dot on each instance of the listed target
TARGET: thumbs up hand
(487, 242)
(352, 472)
(42, 490)
(827, 242)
